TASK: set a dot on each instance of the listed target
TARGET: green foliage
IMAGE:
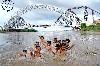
(32, 30)
(28, 30)
(22, 30)
(90, 27)
(83, 26)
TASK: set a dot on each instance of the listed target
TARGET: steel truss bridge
(67, 17)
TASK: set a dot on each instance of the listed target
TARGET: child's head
(58, 46)
(41, 37)
(55, 40)
(48, 43)
(25, 51)
(37, 43)
(38, 48)
(67, 40)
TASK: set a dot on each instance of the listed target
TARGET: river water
(85, 52)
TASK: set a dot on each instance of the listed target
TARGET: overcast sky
(45, 16)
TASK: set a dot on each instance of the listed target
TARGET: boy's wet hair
(38, 47)
(67, 40)
(49, 42)
(25, 51)
(55, 38)
(41, 37)
(36, 43)
(58, 46)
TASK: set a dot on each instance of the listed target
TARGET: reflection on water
(85, 44)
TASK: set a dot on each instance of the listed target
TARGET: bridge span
(66, 17)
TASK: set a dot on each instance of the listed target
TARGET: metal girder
(15, 22)
(67, 17)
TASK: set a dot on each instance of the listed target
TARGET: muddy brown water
(86, 51)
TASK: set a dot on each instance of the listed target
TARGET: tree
(83, 26)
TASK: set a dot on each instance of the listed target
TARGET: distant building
(97, 21)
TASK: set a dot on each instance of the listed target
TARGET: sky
(44, 16)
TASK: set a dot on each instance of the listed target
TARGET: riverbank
(18, 30)
(89, 32)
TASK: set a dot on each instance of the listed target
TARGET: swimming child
(37, 51)
(55, 40)
(50, 48)
(22, 54)
(30, 54)
(68, 44)
(61, 50)
(37, 54)
(42, 42)
(58, 45)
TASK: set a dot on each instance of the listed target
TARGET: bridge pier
(1, 28)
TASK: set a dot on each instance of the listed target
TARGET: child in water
(50, 48)
(58, 45)
(68, 44)
(54, 42)
(61, 49)
(22, 55)
(37, 53)
(42, 42)
(30, 54)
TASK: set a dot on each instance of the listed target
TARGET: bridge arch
(39, 6)
(15, 22)
(67, 17)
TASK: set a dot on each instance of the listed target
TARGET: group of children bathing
(57, 48)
